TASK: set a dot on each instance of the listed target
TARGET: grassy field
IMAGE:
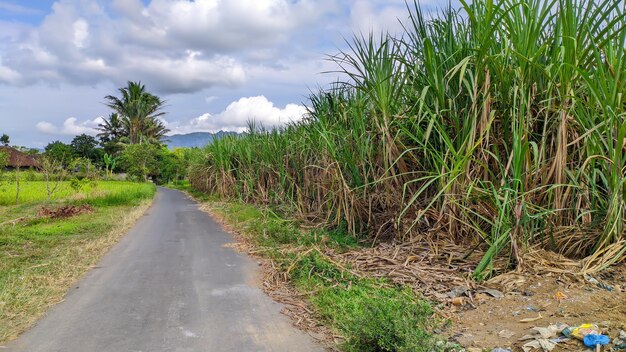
(500, 126)
(369, 314)
(105, 191)
(41, 257)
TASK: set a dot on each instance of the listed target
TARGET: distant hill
(195, 139)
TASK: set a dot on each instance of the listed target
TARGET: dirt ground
(541, 301)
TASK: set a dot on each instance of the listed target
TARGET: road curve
(169, 285)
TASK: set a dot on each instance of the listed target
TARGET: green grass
(40, 257)
(371, 314)
(108, 192)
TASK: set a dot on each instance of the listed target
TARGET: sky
(216, 63)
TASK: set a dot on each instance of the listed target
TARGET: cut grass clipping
(370, 314)
(46, 246)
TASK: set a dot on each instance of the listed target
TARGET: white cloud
(47, 128)
(368, 17)
(176, 46)
(71, 127)
(81, 32)
(238, 114)
(8, 75)
(186, 74)
(227, 25)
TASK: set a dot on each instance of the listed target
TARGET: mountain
(195, 139)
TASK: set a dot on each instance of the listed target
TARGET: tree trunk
(48, 185)
(17, 185)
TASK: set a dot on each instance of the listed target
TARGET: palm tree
(139, 110)
(154, 130)
(111, 129)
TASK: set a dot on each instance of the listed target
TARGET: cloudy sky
(217, 63)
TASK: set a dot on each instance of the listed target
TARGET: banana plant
(110, 162)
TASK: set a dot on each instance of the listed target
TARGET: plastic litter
(605, 286)
(579, 332)
(458, 291)
(591, 280)
(506, 334)
(599, 284)
(532, 308)
(593, 340)
(499, 349)
(620, 342)
(492, 292)
(544, 344)
(543, 337)
(559, 339)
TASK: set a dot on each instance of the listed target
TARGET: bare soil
(65, 211)
(550, 299)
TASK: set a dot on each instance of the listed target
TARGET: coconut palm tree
(111, 129)
(139, 111)
(154, 130)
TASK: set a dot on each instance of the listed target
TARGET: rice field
(36, 191)
(500, 126)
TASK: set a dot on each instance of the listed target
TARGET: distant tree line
(130, 140)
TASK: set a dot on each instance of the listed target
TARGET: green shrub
(391, 324)
(77, 184)
(375, 318)
(372, 315)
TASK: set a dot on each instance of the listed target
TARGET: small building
(20, 159)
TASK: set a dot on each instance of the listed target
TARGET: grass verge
(40, 258)
(369, 314)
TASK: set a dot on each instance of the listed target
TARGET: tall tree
(111, 129)
(139, 111)
(61, 152)
(86, 146)
(141, 161)
(5, 140)
(53, 172)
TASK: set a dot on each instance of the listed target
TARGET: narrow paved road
(169, 285)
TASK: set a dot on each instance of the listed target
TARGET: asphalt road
(168, 285)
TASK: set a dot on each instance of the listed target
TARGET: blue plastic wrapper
(592, 340)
